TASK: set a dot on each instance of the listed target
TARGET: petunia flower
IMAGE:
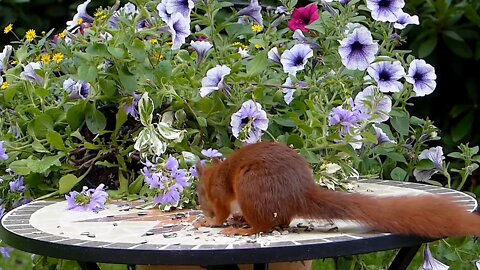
(131, 106)
(347, 120)
(214, 80)
(81, 15)
(5, 252)
(211, 153)
(202, 48)
(422, 76)
(303, 16)
(162, 11)
(184, 7)
(350, 27)
(87, 199)
(29, 74)
(3, 152)
(387, 74)
(249, 122)
(2, 211)
(253, 11)
(405, 19)
(430, 263)
(4, 56)
(243, 52)
(385, 10)
(273, 55)
(358, 50)
(296, 58)
(129, 10)
(290, 90)
(76, 89)
(281, 10)
(382, 136)
(179, 28)
(435, 154)
(374, 104)
(301, 39)
(17, 185)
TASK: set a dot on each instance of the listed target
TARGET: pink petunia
(303, 16)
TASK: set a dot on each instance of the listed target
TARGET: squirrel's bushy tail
(424, 215)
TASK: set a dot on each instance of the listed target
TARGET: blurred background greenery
(448, 38)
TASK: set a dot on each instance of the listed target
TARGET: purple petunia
(129, 10)
(385, 10)
(405, 19)
(3, 152)
(2, 211)
(5, 56)
(76, 89)
(290, 89)
(29, 74)
(211, 153)
(202, 48)
(214, 80)
(435, 154)
(179, 28)
(429, 262)
(5, 252)
(358, 49)
(381, 136)
(184, 7)
(249, 122)
(296, 58)
(131, 107)
(273, 55)
(81, 15)
(87, 199)
(422, 76)
(374, 104)
(301, 39)
(253, 11)
(387, 74)
(17, 185)
(346, 119)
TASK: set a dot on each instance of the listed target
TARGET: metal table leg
(404, 258)
(131, 267)
(88, 266)
(260, 266)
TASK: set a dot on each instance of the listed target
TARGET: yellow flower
(245, 47)
(256, 28)
(258, 46)
(154, 41)
(169, 43)
(79, 21)
(158, 57)
(46, 58)
(30, 35)
(5, 85)
(99, 13)
(62, 34)
(237, 44)
(14, 62)
(58, 57)
(8, 28)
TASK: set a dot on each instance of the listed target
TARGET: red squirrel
(272, 184)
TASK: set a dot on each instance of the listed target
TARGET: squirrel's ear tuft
(216, 160)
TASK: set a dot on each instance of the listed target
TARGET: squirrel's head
(205, 174)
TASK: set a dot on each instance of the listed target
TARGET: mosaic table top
(125, 233)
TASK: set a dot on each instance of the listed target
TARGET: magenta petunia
(302, 17)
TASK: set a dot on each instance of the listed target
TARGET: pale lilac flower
(289, 91)
(214, 80)
(4, 56)
(76, 89)
(350, 27)
(422, 76)
(243, 52)
(358, 50)
(301, 39)
(132, 105)
(211, 153)
(179, 27)
(29, 74)
(348, 120)
(430, 263)
(253, 11)
(385, 10)
(87, 199)
(184, 7)
(296, 58)
(162, 11)
(387, 74)
(249, 122)
(5, 252)
(281, 10)
(435, 154)
(202, 48)
(3, 152)
(2, 211)
(374, 104)
(17, 185)
(381, 136)
(129, 10)
(405, 19)
(477, 264)
(273, 55)
(81, 14)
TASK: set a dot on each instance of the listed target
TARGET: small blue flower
(87, 199)
(183, 7)
(375, 104)
(5, 252)
(346, 119)
(3, 152)
(179, 28)
(435, 154)
(211, 153)
(296, 58)
(290, 90)
(202, 48)
(17, 185)
(405, 19)
(249, 122)
(358, 50)
(129, 10)
(253, 11)
(76, 89)
(131, 106)
(29, 73)
(273, 55)
(422, 76)
(81, 14)
(385, 10)
(430, 263)
(381, 136)
(162, 11)
(387, 74)
(214, 80)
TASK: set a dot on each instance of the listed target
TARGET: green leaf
(400, 124)
(116, 52)
(38, 147)
(310, 156)
(123, 182)
(456, 155)
(87, 73)
(42, 125)
(98, 49)
(460, 48)
(41, 166)
(163, 69)
(427, 46)
(202, 121)
(136, 185)
(42, 92)
(463, 127)
(398, 174)
(55, 140)
(284, 121)
(476, 158)
(425, 165)
(108, 87)
(296, 141)
(145, 109)
(121, 118)
(76, 116)
(95, 119)
(137, 49)
(257, 64)
(20, 167)
(66, 183)
(127, 78)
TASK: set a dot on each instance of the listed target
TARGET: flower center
(357, 46)
(384, 3)
(81, 199)
(384, 75)
(298, 60)
(418, 76)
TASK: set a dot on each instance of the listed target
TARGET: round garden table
(124, 233)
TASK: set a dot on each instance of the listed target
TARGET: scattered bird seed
(170, 235)
(91, 235)
(85, 233)
(149, 233)
(115, 224)
(141, 213)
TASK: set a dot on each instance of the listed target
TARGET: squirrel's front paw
(207, 222)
